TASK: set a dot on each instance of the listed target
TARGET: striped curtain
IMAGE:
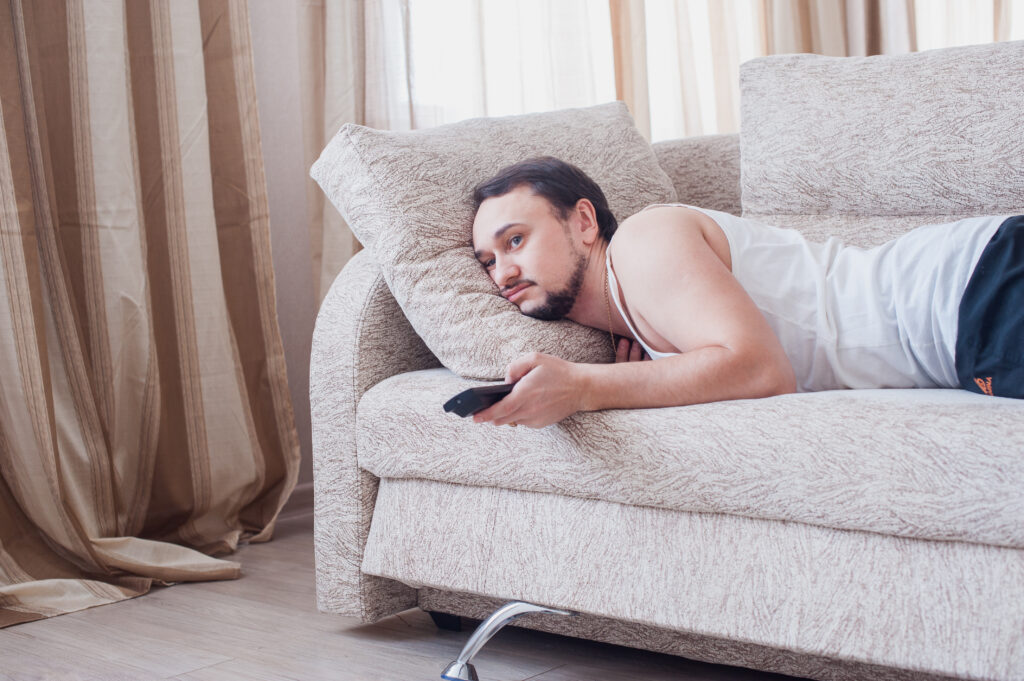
(677, 62)
(145, 422)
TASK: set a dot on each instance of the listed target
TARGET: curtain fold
(694, 47)
(145, 423)
(629, 47)
(333, 59)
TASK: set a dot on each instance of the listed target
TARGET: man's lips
(513, 293)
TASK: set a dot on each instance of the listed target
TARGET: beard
(557, 305)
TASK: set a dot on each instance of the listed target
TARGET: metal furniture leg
(461, 669)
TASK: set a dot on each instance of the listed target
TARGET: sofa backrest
(704, 170)
(866, 147)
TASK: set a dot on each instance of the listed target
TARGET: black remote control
(469, 402)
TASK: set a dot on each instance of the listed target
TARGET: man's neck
(592, 304)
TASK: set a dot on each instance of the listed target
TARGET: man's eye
(488, 264)
(515, 240)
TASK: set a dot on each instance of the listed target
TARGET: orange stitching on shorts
(985, 385)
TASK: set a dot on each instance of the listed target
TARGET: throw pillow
(407, 198)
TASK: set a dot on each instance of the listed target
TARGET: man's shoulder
(653, 231)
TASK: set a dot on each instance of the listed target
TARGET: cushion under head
(935, 133)
(407, 198)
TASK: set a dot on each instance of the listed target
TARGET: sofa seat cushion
(930, 464)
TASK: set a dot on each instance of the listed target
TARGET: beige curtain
(693, 48)
(145, 424)
(354, 63)
(840, 29)
(628, 23)
(354, 59)
(333, 65)
(696, 46)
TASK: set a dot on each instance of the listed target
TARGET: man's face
(529, 252)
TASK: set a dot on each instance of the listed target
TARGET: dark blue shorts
(990, 334)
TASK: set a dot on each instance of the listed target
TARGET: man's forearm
(709, 374)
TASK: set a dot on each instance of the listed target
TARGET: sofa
(869, 534)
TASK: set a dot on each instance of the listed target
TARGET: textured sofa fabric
(357, 330)
(705, 170)
(930, 133)
(843, 535)
(937, 608)
(897, 462)
(691, 645)
(406, 196)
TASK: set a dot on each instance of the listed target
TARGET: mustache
(519, 282)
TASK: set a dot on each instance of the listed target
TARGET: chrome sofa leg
(461, 669)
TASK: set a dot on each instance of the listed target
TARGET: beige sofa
(873, 534)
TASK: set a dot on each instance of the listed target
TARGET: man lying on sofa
(738, 309)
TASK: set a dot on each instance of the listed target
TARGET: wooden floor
(265, 627)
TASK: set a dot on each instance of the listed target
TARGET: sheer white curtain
(695, 47)
(435, 62)
(675, 62)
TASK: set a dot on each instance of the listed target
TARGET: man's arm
(677, 285)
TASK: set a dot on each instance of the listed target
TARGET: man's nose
(506, 273)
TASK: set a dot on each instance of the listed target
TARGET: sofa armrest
(361, 338)
(705, 170)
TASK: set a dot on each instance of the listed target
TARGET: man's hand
(629, 351)
(548, 389)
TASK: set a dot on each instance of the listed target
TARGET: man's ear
(588, 226)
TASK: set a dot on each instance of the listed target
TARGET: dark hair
(561, 183)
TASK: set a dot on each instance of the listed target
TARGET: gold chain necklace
(608, 306)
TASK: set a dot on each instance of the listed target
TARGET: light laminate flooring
(265, 627)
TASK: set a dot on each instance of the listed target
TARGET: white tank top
(848, 317)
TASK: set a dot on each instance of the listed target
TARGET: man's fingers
(627, 350)
(499, 410)
(521, 366)
(512, 417)
(622, 350)
(484, 415)
(498, 414)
